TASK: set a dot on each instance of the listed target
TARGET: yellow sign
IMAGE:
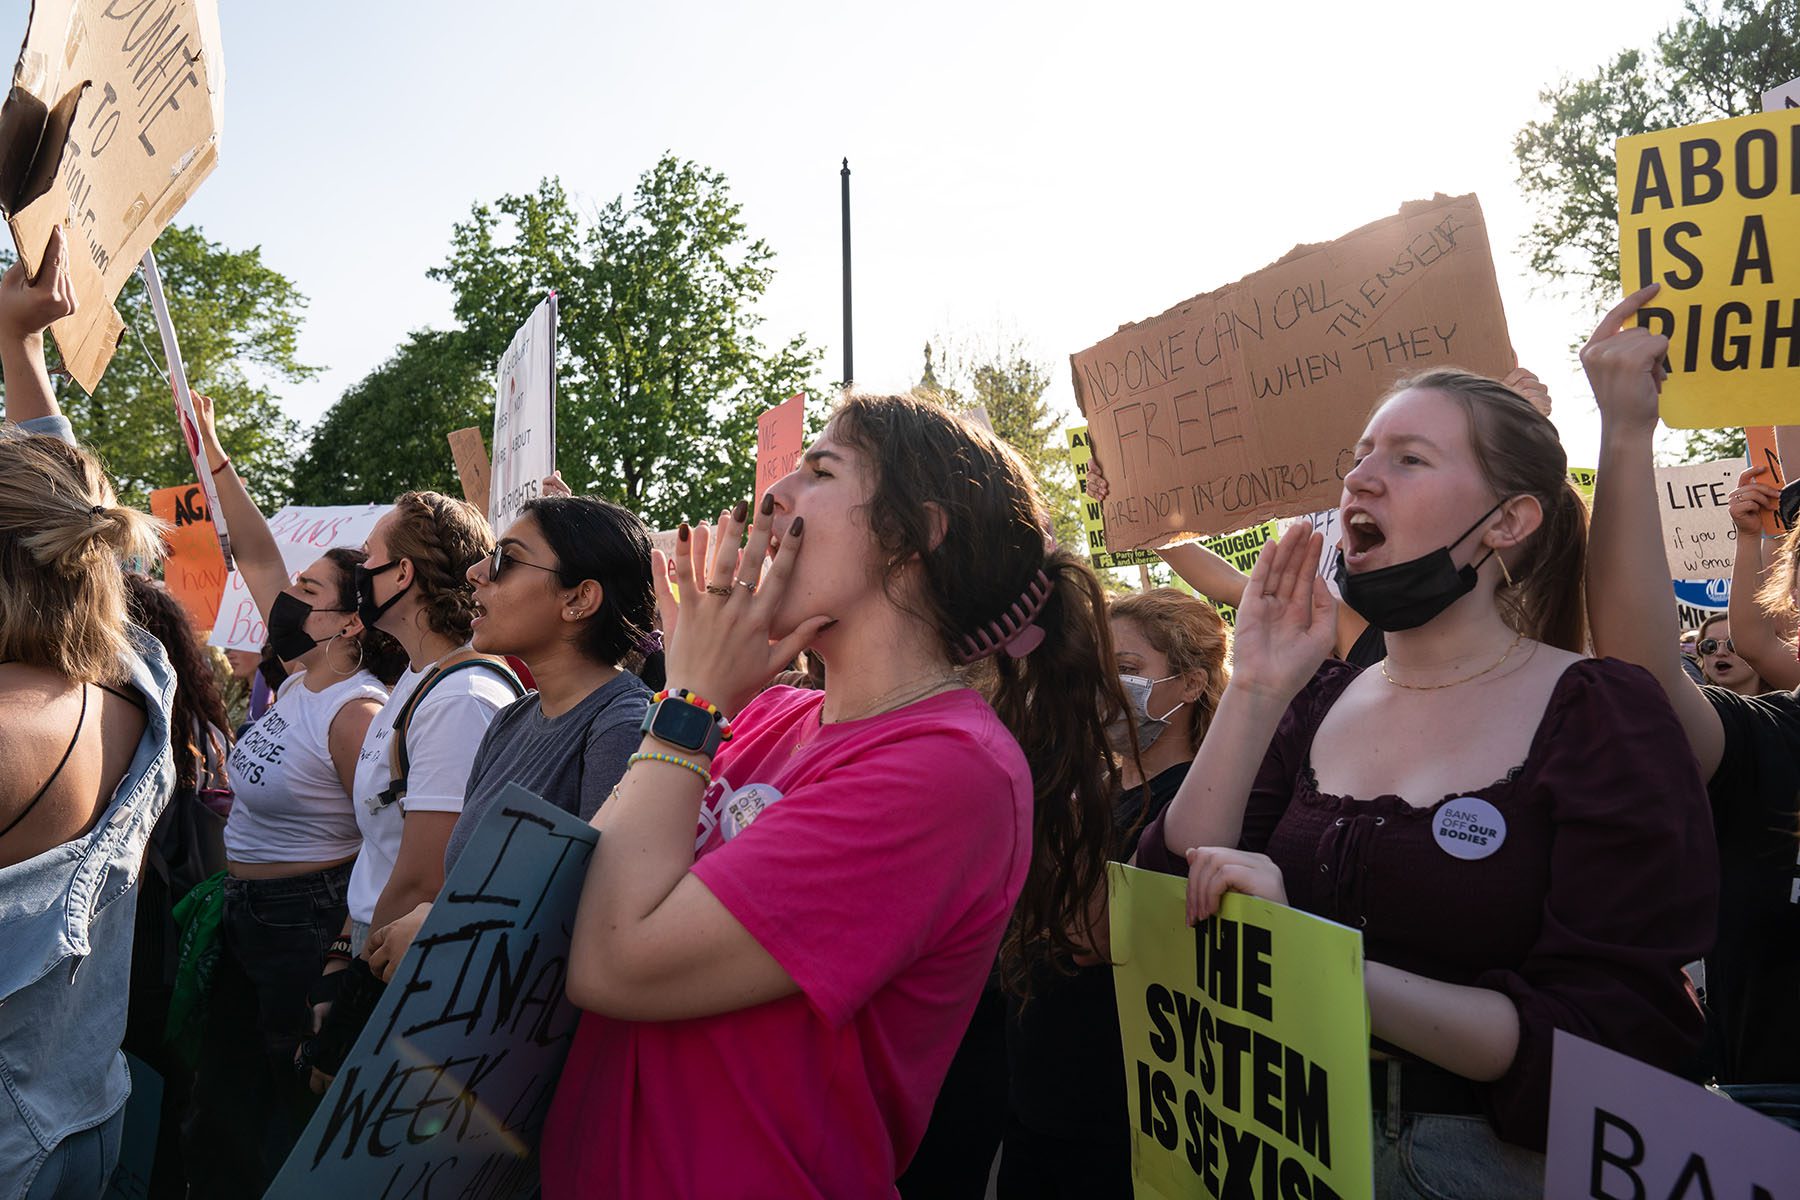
(1583, 479)
(1241, 550)
(1246, 1047)
(1081, 453)
(1712, 212)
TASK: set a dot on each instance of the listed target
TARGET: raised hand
(1530, 387)
(1625, 364)
(718, 609)
(1751, 501)
(555, 485)
(1287, 622)
(29, 306)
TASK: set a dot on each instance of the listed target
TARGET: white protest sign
(1785, 96)
(1698, 535)
(303, 532)
(524, 417)
(1621, 1130)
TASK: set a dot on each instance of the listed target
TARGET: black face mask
(287, 626)
(366, 608)
(1408, 594)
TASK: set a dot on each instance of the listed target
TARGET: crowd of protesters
(852, 934)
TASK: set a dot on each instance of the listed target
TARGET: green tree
(661, 372)
(1704, 67)
(386, 434)
(1007, 384)
(238, 320)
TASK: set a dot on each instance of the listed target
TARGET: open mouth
(1361, 535)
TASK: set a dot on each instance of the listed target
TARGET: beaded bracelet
(693, 698)
(672, 760)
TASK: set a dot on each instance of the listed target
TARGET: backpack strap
(400, 761)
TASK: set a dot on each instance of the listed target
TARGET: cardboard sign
(1759, 443)
(124, 155)
(1241, 550)
(303, 533)
(1698, 535)
(1620, 1129)
(446, 1090)
(1244, 403)
(1246, 1041)
(1093, 517)
(472, 471)
(524, 417)
(1712, 212)
(1784, 97)
(780, 440)
(193, 569)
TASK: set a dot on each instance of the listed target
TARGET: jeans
(82, 1163)
(1780, 1101)
(250, 1104)
(1435, 1157)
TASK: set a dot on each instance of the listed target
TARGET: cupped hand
(29, 306)
(1751, 501)
(1287, 623)
(1625, 364)
(718, 608)
(1215, 870)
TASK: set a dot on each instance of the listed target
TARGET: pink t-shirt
(877, 861)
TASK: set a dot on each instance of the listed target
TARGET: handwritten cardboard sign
(780, 440)
(524, 417)
(303, 533)
(1246, 1045)
(1712, 212)
(470, 456)
(1619, 1128)
(139, 139)
(1759, 444)
(193, 569)
(1093, 514)
(446, 1091)
(1698, 534)
(1244, 403)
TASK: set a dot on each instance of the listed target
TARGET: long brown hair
(953, 498)
(1192, 635)
(198, 727)
(1777, 594)
(1520, 454)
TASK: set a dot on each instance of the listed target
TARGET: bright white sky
(1042, 170)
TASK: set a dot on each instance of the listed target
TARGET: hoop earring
(354, 667)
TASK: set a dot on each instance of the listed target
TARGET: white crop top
(288, 803)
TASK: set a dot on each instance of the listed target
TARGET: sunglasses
(1710, 646)
(496, 564)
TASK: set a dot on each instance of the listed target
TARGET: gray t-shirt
(572, 761)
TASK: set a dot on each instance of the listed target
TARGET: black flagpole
(849, 369)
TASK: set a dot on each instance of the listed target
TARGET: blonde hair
(1192, 635)
(1777, 594)
(444, 537)
(63, 540)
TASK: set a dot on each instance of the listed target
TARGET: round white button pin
(1468, 827)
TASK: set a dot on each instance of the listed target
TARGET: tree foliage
(1007, 384)
(661, 372)
(1704, 67)
(238, 320)
(386, 435)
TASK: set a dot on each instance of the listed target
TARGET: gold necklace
(888, 703)
(1435, 687)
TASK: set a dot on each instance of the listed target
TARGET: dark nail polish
(768, 503)
(795, 529)
(741, 511)
(682, 531)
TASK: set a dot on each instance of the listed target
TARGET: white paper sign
(1621, 1129)
(1698, 535)
(524, 417)
(303, 532)
(1785, 96)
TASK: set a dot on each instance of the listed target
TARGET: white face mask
(1137, 690)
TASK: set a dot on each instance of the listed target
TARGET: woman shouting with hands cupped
(1518, 830)
(798, 895)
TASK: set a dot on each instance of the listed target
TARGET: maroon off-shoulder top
(1605, 884)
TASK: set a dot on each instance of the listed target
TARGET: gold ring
(713, 589)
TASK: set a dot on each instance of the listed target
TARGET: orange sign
(1761, 442)
(193, 570)
(780, 438)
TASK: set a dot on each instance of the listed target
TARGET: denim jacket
(66, 923)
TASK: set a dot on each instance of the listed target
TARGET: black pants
(957, 1154)
(250, 1105)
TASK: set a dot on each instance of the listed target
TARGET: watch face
(681, 724)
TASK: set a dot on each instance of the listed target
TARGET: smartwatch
(683, 724)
